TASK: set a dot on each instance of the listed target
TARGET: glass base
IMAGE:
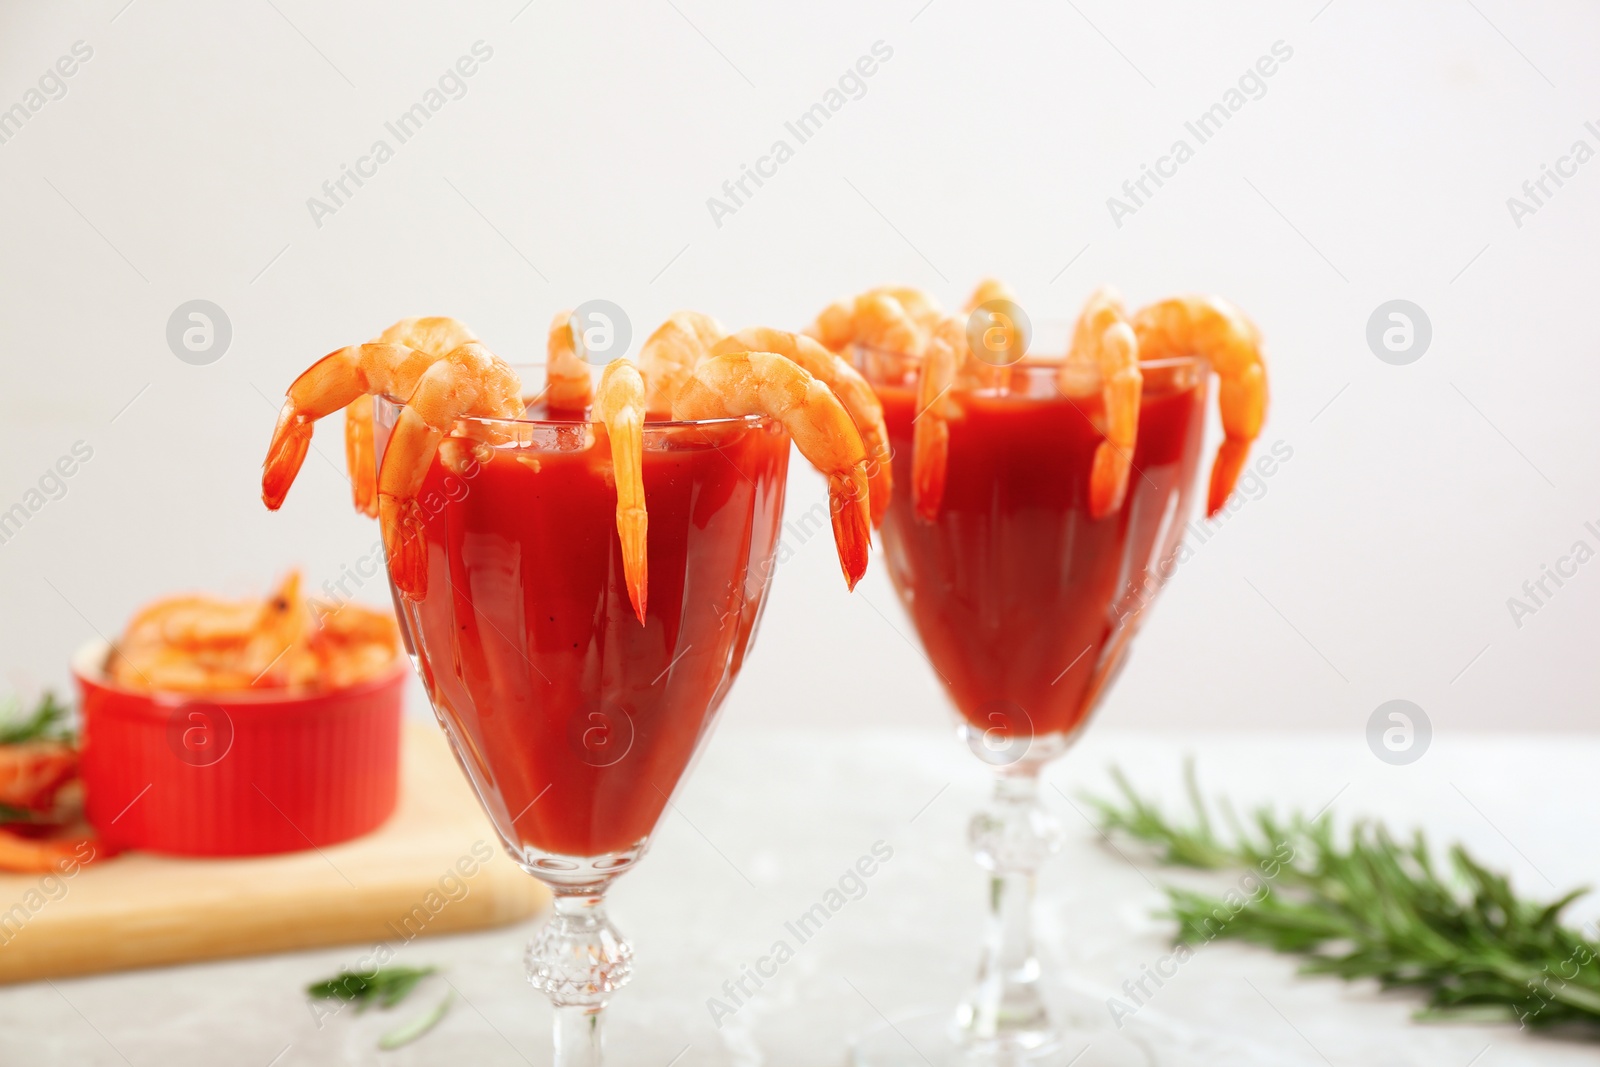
(928, 1040)
(576, 873)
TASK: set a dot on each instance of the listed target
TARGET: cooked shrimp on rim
(1104, 356)
(847, 384)
(442, 375)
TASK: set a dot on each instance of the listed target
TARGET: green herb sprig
(10, 813)
(47, 722)
(385, 986)
(1366, 905)
(408, 1032)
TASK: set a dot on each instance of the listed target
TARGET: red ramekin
(238, 774)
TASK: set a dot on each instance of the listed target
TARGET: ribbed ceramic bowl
(239, 774)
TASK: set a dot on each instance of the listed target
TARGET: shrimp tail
(412, 446)
(1225, 470)
(930, 434)
(852, 523)
(930, 456)
(621, 406)
(1108, 479)
(632, 529)
(291, 438)
(405, 544)
(1243, 400)
(358, 455)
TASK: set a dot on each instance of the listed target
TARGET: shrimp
(352, 644)
(333, 382)
(847, 384)
(893, 317)
(33, 772)
(1118, 350)
(351, 624)
(930, 435)
(192, 622)
(835, 326)
(1211, 327)
(763, 383)
(988, 290)
(882, 321)
(468, 381)
(54, 854)
(201, 622)
(996, 376)
(569, 387)
(1105, 352)
(433, 334)
(919, 304)
(200, 644)
(621, 407)
(668, 357)
(436, 334)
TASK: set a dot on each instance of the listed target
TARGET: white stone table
(771, 820)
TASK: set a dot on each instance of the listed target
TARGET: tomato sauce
(1023, 602)
(574, 722)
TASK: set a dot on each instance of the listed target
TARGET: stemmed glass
(1026, 606)
(573, 722)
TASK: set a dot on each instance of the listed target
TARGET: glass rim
(521, 420)
(1032, 362)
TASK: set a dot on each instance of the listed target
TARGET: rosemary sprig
(10, 813)
(1366, 905)
(385, 986)
(408, 1032)
(47, 722)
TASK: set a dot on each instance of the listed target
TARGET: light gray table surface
(769, 822)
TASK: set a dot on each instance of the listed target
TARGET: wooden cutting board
(435, 867)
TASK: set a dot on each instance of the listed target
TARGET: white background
(1376, 565)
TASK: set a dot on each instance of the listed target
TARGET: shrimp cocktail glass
(579, 577)
(1038, 504)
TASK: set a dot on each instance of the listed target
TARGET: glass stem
(578, 960)
(578, 1036)
(1011, 838)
